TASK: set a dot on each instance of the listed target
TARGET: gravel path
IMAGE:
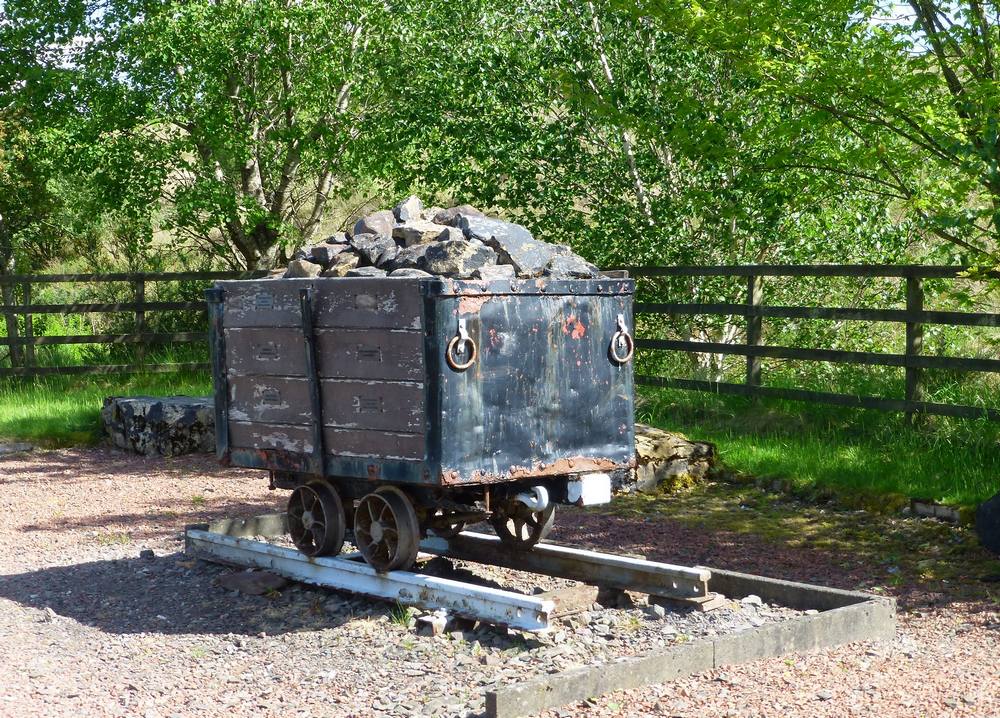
(88, 627)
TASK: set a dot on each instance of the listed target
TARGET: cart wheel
(386, 530)
(519, 527)
(316, 519)
(449, 531)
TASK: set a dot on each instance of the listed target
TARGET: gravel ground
(91, 628)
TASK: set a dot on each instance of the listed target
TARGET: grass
(813, 448)
(65, 410)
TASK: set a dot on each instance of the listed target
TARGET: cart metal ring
(457, 347)
(622, 343)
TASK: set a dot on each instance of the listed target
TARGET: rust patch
(472, 304)
(573, 465)
(574, 327)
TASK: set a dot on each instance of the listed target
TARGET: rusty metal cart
(398, 406)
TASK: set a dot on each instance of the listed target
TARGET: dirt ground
(89, 627)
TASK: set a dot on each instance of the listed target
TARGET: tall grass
(65, 410)
(859, 452)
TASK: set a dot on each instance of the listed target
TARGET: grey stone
(324, 254)
(988, 524)
(380, 223)
(570, 266)
(342, 264)
(409, 257)
(409, 272)
(493, 272)
(656, 611)
(751, 600)
(419, 231)
(374, 249)
(432, 624)
(300, 268)
(513, 244)
(147, 554)
(164, 426)
(457, 258)
(450, 216)
(366, 272)
(337, 238)
(409, 209)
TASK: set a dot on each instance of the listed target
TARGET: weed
(114, 538)
(401, 615)
(198, 500)
(199, 652)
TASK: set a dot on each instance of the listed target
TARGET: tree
(912, 96)
(241, 118)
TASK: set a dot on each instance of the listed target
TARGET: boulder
(570, 266)
(366, 272)
(988, 524)
(419, 231)
(513, 244)
(160, 426)
(409, 257)
(450, 216)
(409, 272)
(665, 460)
(492, 272)
(456, 258)
(342, 264)
(380, 223)
(374, 249)
(409, 209)
(337, 238)
(324, 254)
(298, 268)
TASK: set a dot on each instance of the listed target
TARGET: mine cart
(397, 406)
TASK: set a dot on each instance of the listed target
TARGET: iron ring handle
(453, 347)
(620, 338)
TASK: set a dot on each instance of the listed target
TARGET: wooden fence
(755, 311)
(22, 345)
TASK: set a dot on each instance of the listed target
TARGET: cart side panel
(543, 397)
(369, 357)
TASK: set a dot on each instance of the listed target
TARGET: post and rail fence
(21, 343)
(754, 310)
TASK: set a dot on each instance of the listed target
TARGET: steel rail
(348, 573)
(602, 569)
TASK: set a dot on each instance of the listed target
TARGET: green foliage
(812, 447)
(65, 410)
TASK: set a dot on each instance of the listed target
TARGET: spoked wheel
(316, 519)
(521, 528)
(386, 530)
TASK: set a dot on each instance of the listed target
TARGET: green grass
(851, 453)
(65, 410)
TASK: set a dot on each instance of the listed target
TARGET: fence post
(10, 318)
(139, 286)
(29, 329)
(914, 342)
(755, 295)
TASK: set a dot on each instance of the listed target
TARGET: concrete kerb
(844, 617)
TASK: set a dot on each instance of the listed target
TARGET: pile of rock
(459, 242)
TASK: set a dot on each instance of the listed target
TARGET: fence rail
(755, 311)
(22, 347)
